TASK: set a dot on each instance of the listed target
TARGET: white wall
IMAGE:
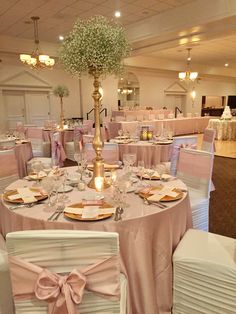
(153, 83)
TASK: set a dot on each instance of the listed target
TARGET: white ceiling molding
(176, 89)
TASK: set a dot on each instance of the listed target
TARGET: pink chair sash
(58, 153)
(64, 292)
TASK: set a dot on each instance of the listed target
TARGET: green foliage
(94, 45)
(61, 91)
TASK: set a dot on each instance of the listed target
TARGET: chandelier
(188, 75)
(37, 60)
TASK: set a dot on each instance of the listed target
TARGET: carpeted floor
(222, 212)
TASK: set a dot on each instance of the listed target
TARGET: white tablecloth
(225, 129)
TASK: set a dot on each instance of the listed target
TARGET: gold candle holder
(98, 162)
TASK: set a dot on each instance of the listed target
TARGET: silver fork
(158, 204)
(29, 205)
(60, 211)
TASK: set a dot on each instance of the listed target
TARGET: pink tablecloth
(150, 154)
(23, 154)
(148, 237)
(66, 136)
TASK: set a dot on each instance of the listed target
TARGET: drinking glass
(48, 184)
(120, 132)
(141, 169)
(36, 167)
(161, 169)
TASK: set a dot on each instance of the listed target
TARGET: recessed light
(61, 37)
(226, 64)
(117, 14)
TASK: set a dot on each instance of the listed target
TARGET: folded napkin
(159, 194)
(27, 195)
(40, 175)
(90, 211)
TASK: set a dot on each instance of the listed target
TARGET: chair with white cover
(161, 116)
(81, 269)
(208, 140)
(170, 116)
(39, 146)
(110, 152)
(8, 168)
(180, 142)
(195, 170)
(88, 124)
(6, 299)
(204, 274)
(77, 143)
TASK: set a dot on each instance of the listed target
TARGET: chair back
(139, 117)
(208, 140)
(8, 169)
(93, 254)
(58, 152)
(195, 169)
(35, 135)
(88, 124)
(181, 142)
(189, 115)
(119, 118)
(110, 152)
(170, 116)
(161, 116)
(6, 299)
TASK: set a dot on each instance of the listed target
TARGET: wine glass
(47, 168)
(36, 167)
(150, 171)
(161, 169)
(120, 132)
(141, 169)
(48, 184)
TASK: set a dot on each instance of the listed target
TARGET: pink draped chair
(77, 144)
(195, 170)
(89, 125)
(53, 272)
(8, 168)
(110, 152)
(58, 152)
(208, 140)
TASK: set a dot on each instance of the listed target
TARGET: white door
(37, 107)
(172, 101)
(14, 105)
(26, 106)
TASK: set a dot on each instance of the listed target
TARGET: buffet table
(145, 113)
(225, 129)
(148, 236)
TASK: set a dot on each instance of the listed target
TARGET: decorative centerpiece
(226, 114)
(61, 91)
(97, 47)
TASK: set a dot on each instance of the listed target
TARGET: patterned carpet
(222, 210)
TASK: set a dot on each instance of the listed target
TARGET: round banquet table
(225, 129)
(148, 237)
(151, 154)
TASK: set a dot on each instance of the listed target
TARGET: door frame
(23, 81)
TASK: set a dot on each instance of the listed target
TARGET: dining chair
(40, 147)
(194, 168)
(8, 169)
(89, 125)
(57, 153)
(6, 299)
(76, 145)
(110, 152)
(81, 269)
(204, 271)
(208, 140)
(178, 142)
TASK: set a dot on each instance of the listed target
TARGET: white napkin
(90, 211)
(25, 194)
(159, 194)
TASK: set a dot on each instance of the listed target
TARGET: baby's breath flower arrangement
(61, 91)
(95, 46)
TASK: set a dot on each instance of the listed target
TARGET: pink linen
(148, 236)
(58, 153)
(64, 292)
(35, 132)
(8, 163)
(150, 154)
(110, 152)
(23, 154)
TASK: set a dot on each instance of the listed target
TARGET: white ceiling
(159, 30)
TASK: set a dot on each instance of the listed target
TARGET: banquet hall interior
(135, 169)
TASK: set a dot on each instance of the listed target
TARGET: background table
(225, 129)
(151, 154)
(148, 237)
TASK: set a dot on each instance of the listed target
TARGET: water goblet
(141, 169)
(36, 167)
(161, 169)
(48, 184)
(120, 132)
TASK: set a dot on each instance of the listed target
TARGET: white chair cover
(61, 251)
(204, 274)
(195, 170)
(8, 168)
(6, 299)
(39, 146)
(208, 140)
(161, 116)
(178, 142)
(110, 152)
(58, 152)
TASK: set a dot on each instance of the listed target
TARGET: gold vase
(98, 161)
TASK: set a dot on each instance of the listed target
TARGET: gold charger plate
(20, 200)
(79, 216)
(166, 198)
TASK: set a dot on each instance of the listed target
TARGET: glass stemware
(161, 169)
(48, 184)
(36, 167)
(141, 169)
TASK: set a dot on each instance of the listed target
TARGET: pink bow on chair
(64, 292)
(58, 153)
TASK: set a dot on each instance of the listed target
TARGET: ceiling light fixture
(37, 60)
(117, 14)
(61, 37)
(226, 64)
(188, 75)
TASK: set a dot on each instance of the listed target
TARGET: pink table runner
(23, 154)
(148, 237)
